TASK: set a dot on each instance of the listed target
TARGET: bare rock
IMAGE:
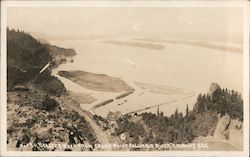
(220, 132)
(213, 87)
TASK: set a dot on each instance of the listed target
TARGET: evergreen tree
(176, 115)
(187, 111)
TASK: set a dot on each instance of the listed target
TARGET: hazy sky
(70, 23)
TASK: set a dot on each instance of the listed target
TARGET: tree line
(183, 128)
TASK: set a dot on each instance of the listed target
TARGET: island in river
(98, 82)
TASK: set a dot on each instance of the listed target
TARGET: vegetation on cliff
(221, 101)
(50, 84)
(36, 112)
(25, 57)
(184, 128)
(56, 51)
(33, 120)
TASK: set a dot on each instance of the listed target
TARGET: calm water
(177, 65)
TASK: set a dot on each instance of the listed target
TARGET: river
(178, 67)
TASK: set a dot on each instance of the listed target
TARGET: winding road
(102, 136)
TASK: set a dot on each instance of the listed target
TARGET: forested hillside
(221, 101)
(38, 106)
(25, 57)
(184, 128)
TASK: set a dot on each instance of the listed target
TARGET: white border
(246, 28)
(244, 5)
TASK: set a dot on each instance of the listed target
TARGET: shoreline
(127, 91)
(151, 88)
(114, 100)
(125, 94)
(96, 82)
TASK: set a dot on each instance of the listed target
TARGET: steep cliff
(38, 106)
(25, 57)
(230, 130)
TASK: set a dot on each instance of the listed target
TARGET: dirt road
(102, 136)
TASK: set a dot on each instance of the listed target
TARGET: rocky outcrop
(213, 87)
(221, 131)
(230, 130)
(34, 119)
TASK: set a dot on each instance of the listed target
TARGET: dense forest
(183, 128)
(221, 101)
(25, 58)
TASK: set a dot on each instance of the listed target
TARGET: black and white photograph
(124, 77)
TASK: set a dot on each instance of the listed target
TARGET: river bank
(111, 93)
(98, 82)
(157, 75)
(145, 97)
(124, 102)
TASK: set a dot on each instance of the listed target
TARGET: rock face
(221, 131)
(213, 87)
(34, 118)
(230, 130)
